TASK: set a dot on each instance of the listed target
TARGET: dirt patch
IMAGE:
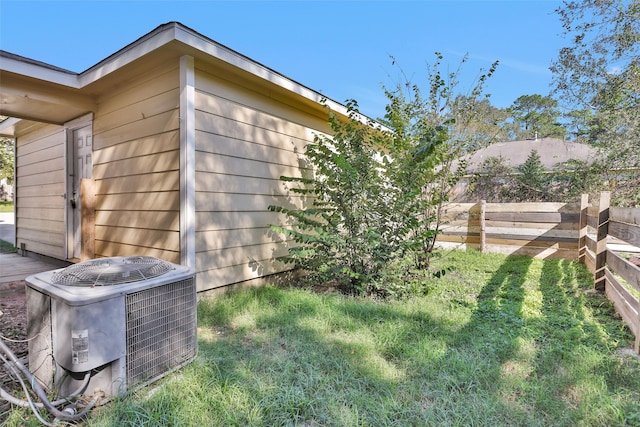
(13, 320)
(13, 331)
(628, 353)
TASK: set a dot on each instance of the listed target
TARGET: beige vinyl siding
(40, 189)
(245, 142)
(136, 168)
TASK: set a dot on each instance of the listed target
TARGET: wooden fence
(541, 230)
(599, 236)
(607, 236)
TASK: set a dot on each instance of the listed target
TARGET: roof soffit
(30, 98)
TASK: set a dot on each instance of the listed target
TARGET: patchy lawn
(499, 340)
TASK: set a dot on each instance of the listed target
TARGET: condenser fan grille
(111, 271)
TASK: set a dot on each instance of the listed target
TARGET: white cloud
(515, 64)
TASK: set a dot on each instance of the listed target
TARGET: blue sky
(339, 48)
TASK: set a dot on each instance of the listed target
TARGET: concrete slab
(15, 268)
(7, 227)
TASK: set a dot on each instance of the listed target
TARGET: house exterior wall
(136, 168)
(40, 189)
(189, 141)
(245, 141)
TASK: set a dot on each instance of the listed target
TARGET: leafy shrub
(372, 197)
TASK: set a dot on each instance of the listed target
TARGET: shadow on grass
(477, 354)
(410, 366)
(575, 350)
(335, 364)
(515, 356)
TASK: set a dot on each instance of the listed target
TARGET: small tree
(374, 196)
(341, 233)
(442, 124)
(532, 183)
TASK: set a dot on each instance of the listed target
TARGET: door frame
(69, 128)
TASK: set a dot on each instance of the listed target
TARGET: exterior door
(80, 166)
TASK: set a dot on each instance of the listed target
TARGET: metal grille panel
(161, 330)
(111, 271)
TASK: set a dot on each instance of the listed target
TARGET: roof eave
(164, 35)
(8, 127)
(174, 31)
(38, 70)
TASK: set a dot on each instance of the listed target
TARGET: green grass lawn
(500, 340)
(6, 247)
(6, 206)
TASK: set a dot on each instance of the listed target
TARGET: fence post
(483, 239)
(636, 346)
(601, 242)
(582, 228)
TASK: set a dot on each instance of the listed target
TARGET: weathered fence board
(536, 217)
(630, 233)
(590, 243)
(590, 262)
(508, 232)
(536, 229)
(626, 305)
(592, 221)
(625, 269)
(628, 215)
(501, 239)
(619, 226)
(533, 225)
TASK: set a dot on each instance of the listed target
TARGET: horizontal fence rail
(601, 237)
(611, 235)
(541, 230)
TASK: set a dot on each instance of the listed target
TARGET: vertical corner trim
(187, 162)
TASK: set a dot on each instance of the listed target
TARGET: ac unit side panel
(161, 330)
(39, 331)
(88, 336)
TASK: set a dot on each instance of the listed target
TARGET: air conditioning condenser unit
(125, 321)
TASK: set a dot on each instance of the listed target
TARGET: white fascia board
(7, 127)
(39, 72)
(125, 56)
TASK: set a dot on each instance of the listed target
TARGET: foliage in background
(578, 124)
(6, 159)
(496, 182)
(373, 198)
(537, 117)
(492, 181)
(483, 123)
(7, 207)
(600, 71)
